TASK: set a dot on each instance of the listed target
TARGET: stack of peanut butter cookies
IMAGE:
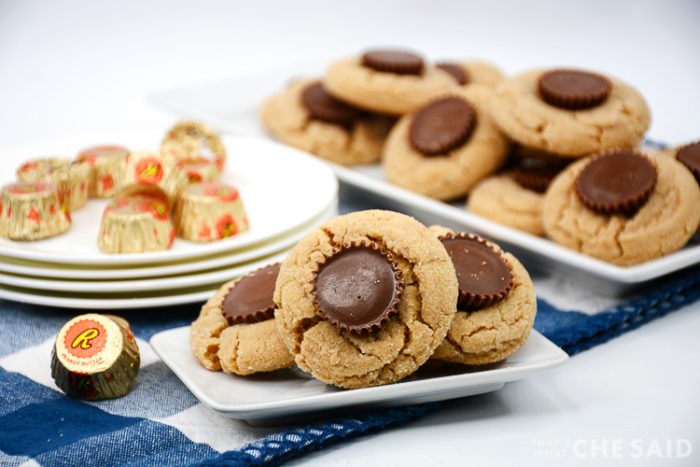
(366, 300)
(512, 146)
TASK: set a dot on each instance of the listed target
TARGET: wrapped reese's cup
(32, 211)
(189, 140)
(145, 170)
(136, 224)
(105, 165)
(209, 211)
(70, 178)
(95, 357)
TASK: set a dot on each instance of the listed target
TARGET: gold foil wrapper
(189, 140)
(79, 185)
(199, 170)
(32, 211)
(136, 224)
(106, 163)
(71, 179)
(95, 357)
(210, 211)
(146, 170)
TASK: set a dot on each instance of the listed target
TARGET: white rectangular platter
(232, 106)
(288, 395)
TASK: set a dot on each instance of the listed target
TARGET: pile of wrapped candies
(156, 195)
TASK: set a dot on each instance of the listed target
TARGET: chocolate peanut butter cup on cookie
(358, 288)
(393, 61)
(536, 174)
(616, 182)
(570, 113)
(689, 156)
(235, 331)
(458, 72)
(442, 125)
(497, 304)
(483, 275)
(446, 146)
(325, 107)
(623, 206)
(250, 299)
(308, 117)
(573, 89)
(390, 82)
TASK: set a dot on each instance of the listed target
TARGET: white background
(77, 67)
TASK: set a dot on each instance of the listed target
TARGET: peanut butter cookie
(305, 116)
(448, 145)
(623, 207)
(571, 113)
(365, 299)
(386, 81)
(497, 302)
(235, 331)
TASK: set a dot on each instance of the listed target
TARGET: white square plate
(288, 395)
(232, 106)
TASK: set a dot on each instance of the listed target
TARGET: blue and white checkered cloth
(161, 423)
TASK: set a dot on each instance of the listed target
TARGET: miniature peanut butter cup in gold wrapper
(145, 170)
(105, 164)
(32, 211)
(199, 170)
(95, 357)
(209, 211)
(189, 140)
(136, 224)
(71, 179)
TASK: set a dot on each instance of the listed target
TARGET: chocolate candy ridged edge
(469, 301)
(457, 139)
(627, 206)
(573, 100)
(258, 315)
(390, 310)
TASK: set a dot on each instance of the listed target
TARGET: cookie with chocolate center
(497, 304)
(623, 207)
(391, 82)
(235, 331)
(446, 146)
(570, 113)
(305, 115)
(365, 299)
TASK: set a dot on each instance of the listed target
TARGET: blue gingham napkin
(161, 423)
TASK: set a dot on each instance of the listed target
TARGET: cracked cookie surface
(406, 340)
(242, 349)
(620, 122)
(491, 334)
(285, 117)
(450, 175)
(502, 200)
(383, 92)
(661, 226)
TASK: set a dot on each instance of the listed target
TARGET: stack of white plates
(286, 194)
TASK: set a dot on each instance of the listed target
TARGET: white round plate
(218, 276)
(58, 271)
(198, 295)
(281, 188)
